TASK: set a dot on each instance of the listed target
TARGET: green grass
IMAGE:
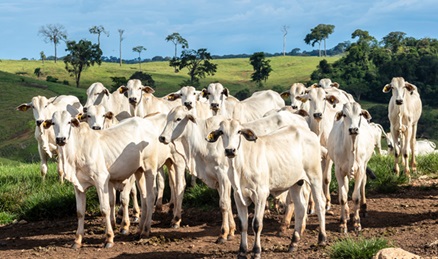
(360, 248)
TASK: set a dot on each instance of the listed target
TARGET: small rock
(389, 253)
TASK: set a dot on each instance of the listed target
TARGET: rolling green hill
(18, 84)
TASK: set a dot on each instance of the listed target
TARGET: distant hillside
(18, 84)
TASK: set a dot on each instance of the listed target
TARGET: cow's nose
(188, 105)
(162, 139)
(317, 115)
(230, 152)
(60, 141)
(214, 106)
(294, 107)
(39, 122)
(353, 131)
(85, 109)
(399, 102)
(96, 127)
(133, 100)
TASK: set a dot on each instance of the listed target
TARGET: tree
(394, 40)
(98, 30)
(43, 56)
(176, 39)
(284, 30)
(320, 33)
(139, 49)
(53, 33)
(197, 62)
(82, 55)
(120, 45)
(262, 68)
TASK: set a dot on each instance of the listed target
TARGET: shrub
(350, 248)
(52, 79)
(145, 79)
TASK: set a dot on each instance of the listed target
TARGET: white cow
(378, 134)
(191, 98)
(43, 109)
(350, 145)
(404, 111)
(220, 100)
(326, 83)
(295, 90)
(422, 146)
(205, 160)
(142, 101)
(273, 163)
(105, 159)
(113, 102)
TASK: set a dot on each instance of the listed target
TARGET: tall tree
(176, 39)
(98, 30)
(261, 67)
(43, 56)
(120, 44)
(197, 62)
(394, 40)
(82, 55)
(318, 34)
(284, 30)
(139, 49)
(53, 33)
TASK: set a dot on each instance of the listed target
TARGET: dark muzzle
(230, 152)
(61, 141)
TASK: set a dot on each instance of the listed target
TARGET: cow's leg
(103, 194)
(257, 222)
(316, 186)
(160, 188)
(405, 152)
(141, 183)
(412, 143)
(43, 165)
(327, 174)
(356, 197)
(242, 212)
(135, 206)
(224, 189)
(112, 203)
(124, 200)
(151, 178)
(300, 203)
(179, 185)
(80, 214)
(343, 199)
(287, 217)
(395, 135)
(60, 168)
(363, 199)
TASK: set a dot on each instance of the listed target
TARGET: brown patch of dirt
(408, 218)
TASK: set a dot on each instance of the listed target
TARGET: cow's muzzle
(96, 127)
(61, 141)
(188, 105)
(399, 102)
(163, 140)
(353, 131)
(214, 106)
(317, 115)
(133, 100)
(230, 152)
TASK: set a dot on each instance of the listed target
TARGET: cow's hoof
(230, 237)
(124, 232)
(109, 245)
(256, 256)
(220, 240)
(329, 212)
(76, 246)
(135, 219)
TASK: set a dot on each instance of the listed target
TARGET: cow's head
(97, 117)
(318, 100)
(134, 91)
(295, 90)
(62, 123)
(353, 117)
(399, 88)
(231, 132)
(177, 120)
(188, 94)
(41, 108)
(216, 94)
(96, 94)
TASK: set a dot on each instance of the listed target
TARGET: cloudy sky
(223, 27)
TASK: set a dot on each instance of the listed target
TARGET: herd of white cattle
(123, 140)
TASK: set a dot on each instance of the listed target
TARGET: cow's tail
(370, 173)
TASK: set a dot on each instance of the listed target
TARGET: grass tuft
(361, 248)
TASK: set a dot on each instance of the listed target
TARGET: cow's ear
(75, 122)
(248, 134)
(335, 84)
(81, 116)
(106, 92)
(24, 107)
(339, 115)
(314, 85)
(173, 96)
(226, 92)
(191, 118)
(123, 89)
(410, 87)
(213, 136)
(303, 98)
(148, 89)
(387, 88)
(47, 124)
(302, 113)
(285, 94)
(333, 100)
(366, 115)
(204, 93)
(109, 115)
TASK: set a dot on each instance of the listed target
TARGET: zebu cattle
(273, 163)
(326, 83)
(350, 145)
(404, 111)
(98, 94)
(295, 90)
(191, 98)
(378, 134)
(203, 159)
(43, 109)
(105, 159)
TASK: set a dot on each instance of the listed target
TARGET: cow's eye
(178, 119)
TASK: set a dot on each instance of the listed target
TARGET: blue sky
(223, 27)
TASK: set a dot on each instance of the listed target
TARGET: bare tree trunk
(55, 53)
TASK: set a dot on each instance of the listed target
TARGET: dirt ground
(408, 218)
